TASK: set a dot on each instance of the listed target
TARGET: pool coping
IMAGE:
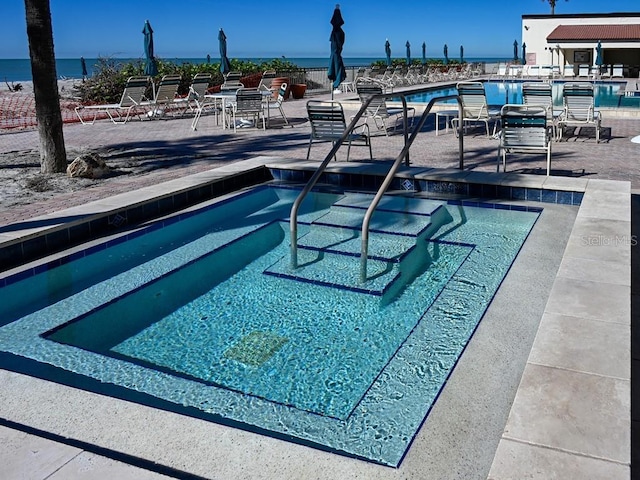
(604, 216)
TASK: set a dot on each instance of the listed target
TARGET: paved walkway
(165, 149)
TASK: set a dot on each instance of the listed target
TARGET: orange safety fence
(18, 110)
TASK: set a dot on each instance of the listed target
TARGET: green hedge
(110, 75)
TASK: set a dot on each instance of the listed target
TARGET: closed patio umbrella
(424, 53)
(337, 72)
(150, 67)
(446, 54)
(83, 65)
(515, 50)
(599, 54)
(461, 54)
(225, 66)
(524, 53)
(387, 51)
(408, 45)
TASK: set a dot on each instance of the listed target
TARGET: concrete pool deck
(559, 326)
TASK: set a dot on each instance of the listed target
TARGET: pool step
(337, 265)
(329, 247)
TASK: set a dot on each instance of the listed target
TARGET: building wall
(536, 28)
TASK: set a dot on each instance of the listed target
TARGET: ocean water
(19, 69)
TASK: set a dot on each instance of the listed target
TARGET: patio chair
(378, 110)
(568, 71)
(524, 130)
(248, 105)
(540, 93)
(617, 71)
(132, 97)
(328, 125)
(474, 107)
(278, 104)
(583, 71)
(232, 81)
(579, 108)
(265, 80)
(197, 90)
(164, 95)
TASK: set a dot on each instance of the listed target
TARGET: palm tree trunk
(53, 157)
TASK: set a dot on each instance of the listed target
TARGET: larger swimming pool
(203, 310)
(606, 94)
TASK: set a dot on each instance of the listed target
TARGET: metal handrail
(392, 172)
(293, 217)
(404, 154)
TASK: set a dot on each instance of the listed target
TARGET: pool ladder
(404, 155)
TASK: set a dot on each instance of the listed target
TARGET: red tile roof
(621, 32)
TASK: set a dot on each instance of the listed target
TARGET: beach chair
(265, 80)
(583, 71)
(328, 125)
(568, 71)
(524, 130)
(132, 97)
(232, 81)
(164, 95)
(534, 71)
(579, 108)
(617, 71)
(540, 93)
(249, 107)
(474, 107)
(277, 104)
(378, 110)
(197, 91)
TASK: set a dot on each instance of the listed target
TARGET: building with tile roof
(573, 39)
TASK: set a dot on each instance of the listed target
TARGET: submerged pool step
(419, 206)
(337, 270)
(396, 223)
(382, 246)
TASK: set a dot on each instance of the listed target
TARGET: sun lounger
(132, 97)
(165, 94)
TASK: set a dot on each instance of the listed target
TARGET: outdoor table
(223, 100)
(448, 116)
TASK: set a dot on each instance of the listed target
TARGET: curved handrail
(391, 174)
(293, 217)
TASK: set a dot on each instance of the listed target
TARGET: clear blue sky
(272, 28)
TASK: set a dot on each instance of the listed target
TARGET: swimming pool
(499, 93)
(202, 310)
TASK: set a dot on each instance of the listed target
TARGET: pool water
(205, 311)
(500, 93)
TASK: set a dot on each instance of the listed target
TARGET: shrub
(110, 75)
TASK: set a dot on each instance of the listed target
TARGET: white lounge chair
(474, 107)
(524, 130)
(583, 71)
(617, 71)
(568, 71)
(165, 95)
(132, 97)
(579, 108)
(378, 110)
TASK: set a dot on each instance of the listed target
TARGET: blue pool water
(500, 93)
(205, 311)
